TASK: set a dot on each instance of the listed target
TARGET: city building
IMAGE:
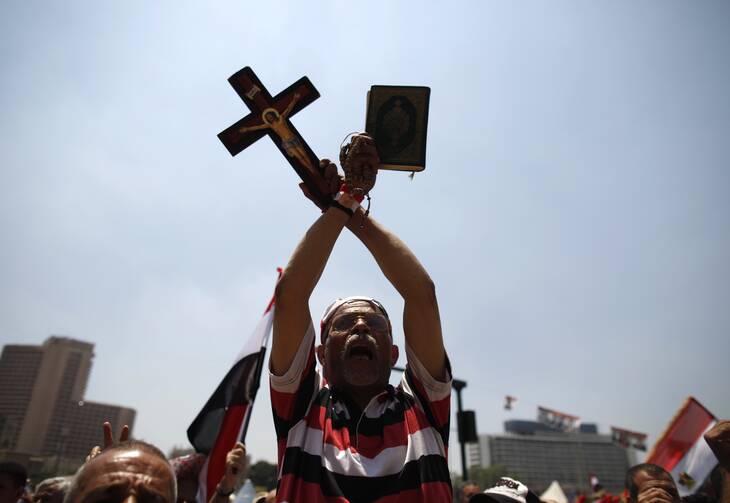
(537, 454)
(42, 406)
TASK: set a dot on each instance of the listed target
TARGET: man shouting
(346, 435)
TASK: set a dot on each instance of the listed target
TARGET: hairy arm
(291, 317)
(421, 321)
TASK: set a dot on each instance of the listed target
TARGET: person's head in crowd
(131, 471)
(187, 469)
(506, 490)
(652, 482)
(468, 489)
(357, 350)
(52, 490)
(13, 478)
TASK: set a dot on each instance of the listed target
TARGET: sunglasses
(345, 322)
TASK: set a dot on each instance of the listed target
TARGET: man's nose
(131, 498)
(361, 326)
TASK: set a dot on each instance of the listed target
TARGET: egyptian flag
(224, 419)
(682, 450)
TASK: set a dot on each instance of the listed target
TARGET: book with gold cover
(397, 117)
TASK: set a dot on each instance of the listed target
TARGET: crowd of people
(132, 471)
(129, 471)
(344, 434)
(644, 483)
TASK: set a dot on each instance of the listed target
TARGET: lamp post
(459, 385)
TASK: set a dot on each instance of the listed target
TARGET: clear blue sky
(573, 212)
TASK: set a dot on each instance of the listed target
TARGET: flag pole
(254, 391)
(259, 368)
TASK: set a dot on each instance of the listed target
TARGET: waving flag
(224, 418)
(682, 450)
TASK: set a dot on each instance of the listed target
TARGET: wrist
(345, 189)
(345, 203)
(347, 200)
(223, 490)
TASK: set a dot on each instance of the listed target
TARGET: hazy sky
(573, 212)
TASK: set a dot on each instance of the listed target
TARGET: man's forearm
(305, 267)
(724, 496)
(308, 260)
(421, 321)
(399, 265)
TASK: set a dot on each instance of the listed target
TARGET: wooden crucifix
(271, 116)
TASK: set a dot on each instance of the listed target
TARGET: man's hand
(718, 438)
(333, 179)
(655, 495)
(360, 161)
(108, 439)
(236, 466)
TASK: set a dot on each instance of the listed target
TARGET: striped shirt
(394, 451)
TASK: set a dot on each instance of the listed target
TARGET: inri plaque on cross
(271, 116)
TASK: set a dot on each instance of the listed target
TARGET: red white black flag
(682, 450)
(224, 419)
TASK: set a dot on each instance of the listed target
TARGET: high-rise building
(538, 454)
(42, 407)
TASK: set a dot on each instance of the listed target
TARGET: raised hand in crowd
(187, 471)
(655, 495)
(649, 483)
(108, 439)
(718, 438)
(236, 468)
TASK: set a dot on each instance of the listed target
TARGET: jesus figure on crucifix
(277, 122)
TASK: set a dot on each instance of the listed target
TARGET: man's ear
(393, 354)
(320, 354)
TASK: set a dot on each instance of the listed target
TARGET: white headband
(338, 303)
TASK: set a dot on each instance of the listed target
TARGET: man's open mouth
(361, 353)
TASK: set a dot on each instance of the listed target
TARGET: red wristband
(346, 189)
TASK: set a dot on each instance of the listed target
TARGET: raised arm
(421, 321)
(289, 108)
(252, 128)
(718, 439)
(291, 317)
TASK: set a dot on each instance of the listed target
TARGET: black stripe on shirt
(308, 467)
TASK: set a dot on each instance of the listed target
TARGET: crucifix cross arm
(270, 115)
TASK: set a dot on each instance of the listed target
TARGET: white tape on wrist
(354, 205)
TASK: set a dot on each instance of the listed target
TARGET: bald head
(129, 472)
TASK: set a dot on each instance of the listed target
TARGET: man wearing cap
(506, 490)
(346, 435)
